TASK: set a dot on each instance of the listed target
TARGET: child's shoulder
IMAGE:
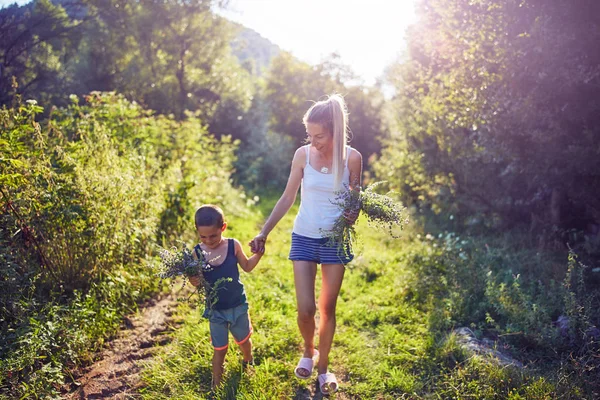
(235, 241)
(197, 248)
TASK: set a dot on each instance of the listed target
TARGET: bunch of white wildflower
(381, 210)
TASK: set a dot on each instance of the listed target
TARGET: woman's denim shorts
(316, 250)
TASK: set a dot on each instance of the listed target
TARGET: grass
(38, 356)
(392, 341)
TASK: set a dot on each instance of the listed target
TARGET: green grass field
(386, 346)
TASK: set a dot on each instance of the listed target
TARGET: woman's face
(319, 137)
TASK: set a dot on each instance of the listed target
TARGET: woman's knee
(306, 313)
(327, 309)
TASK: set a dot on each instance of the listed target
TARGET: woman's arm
(355, 169)
(246, 263)
(285, 202)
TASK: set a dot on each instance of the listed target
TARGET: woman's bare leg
(332, 276)
(304, 281)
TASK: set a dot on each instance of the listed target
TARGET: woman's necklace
(324, 170)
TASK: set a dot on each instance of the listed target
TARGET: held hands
(257, 245)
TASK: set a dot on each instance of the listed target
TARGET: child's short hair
(209, 215)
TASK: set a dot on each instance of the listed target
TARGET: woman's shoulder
(302, 150)
(300, 155)
(354, 154)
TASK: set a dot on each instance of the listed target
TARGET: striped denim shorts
(316, 250)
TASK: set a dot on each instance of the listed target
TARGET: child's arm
(246, 263)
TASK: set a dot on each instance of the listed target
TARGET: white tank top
(317, 212)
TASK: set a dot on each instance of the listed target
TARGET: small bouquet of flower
(175, 262)
(380, 210)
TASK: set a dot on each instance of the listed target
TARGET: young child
(230, 311)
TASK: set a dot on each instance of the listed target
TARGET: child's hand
(195, 280)
(257, 245)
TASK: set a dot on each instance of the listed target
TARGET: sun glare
(368, 35)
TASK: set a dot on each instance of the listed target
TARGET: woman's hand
(351, 216)
(195, 280)
(257, 245)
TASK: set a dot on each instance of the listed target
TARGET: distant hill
(252, 50)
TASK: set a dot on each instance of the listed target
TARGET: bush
(494, 286)
(87, 194)
(546, 316)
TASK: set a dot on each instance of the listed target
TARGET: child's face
(211, 236)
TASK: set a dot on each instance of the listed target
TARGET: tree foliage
(169, 56)
(497, 111)
(292, 87)
(36, 42)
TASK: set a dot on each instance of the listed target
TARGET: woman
(321, 168)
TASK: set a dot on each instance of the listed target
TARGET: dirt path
(116, 373)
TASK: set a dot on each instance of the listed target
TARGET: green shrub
(87, 194)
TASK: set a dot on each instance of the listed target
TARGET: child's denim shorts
(316, 250)
(235, 320)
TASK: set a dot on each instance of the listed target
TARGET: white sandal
(307, 364)
(327, 383)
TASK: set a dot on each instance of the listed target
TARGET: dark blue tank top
(228, 294)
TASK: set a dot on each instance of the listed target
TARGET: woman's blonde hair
(332, 114)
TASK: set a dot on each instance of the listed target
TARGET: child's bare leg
(217, 366)
(246, 349)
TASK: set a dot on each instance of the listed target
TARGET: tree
(36, 41)
(170, 56)
(496, 112)
(291, 87)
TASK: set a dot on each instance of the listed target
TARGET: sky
(367, 34)
(4, 3)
